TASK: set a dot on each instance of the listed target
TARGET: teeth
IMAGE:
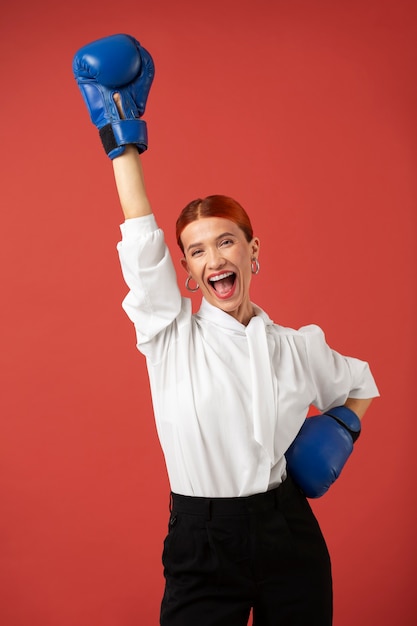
(220, 277)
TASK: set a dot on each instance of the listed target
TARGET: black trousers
(225, 556)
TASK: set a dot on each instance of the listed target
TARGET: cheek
(245, 265)
(192, 266)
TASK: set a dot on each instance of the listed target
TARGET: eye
(226, 242)
(196, 252)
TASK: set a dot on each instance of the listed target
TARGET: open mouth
(223, 283)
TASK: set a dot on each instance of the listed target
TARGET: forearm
(128, 174)
(358, 405)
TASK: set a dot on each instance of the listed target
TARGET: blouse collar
(219, 317)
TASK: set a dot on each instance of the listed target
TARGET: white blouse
(228, 399)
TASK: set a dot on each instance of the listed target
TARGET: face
(218, 257)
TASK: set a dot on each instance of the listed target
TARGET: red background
(306, 113)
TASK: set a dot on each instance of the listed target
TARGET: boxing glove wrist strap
(118, 134)
(346, 418)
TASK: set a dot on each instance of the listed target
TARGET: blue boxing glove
(116, 64)
(319, 452)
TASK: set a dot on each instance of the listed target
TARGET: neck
(243, 314)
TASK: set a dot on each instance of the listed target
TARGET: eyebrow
(197, 245)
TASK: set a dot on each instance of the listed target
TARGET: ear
(185, 265)
(255, 244)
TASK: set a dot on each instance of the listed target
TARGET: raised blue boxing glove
(116, 64)
(319, 452)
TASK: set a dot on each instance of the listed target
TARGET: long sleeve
(154, 300)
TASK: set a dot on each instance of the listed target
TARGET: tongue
(224, 285)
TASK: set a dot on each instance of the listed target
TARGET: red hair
(214, 206)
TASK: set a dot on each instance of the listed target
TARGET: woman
(230, 389)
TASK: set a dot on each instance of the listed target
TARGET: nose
(215, 259)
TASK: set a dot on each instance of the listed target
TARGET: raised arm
(114, 75)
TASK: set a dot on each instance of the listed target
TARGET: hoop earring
(255, 267)
(187, 285)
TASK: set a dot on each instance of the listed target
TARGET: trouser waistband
(195, 505)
